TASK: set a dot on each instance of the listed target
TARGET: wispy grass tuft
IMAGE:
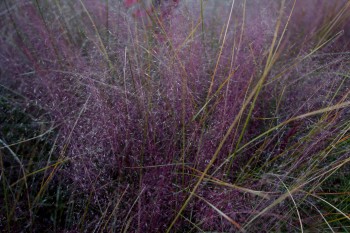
(174, 116)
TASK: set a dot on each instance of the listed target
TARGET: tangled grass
(174, 116)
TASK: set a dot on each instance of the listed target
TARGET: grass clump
(174, 116)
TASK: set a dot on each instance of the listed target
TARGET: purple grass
(143, 95)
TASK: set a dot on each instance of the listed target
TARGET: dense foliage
(174, 116)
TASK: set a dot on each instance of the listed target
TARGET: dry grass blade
(115, 208)
(295, 204)
(324, 219)
(346, 216)
(236, 187)
(309, 114)
(233, 222)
